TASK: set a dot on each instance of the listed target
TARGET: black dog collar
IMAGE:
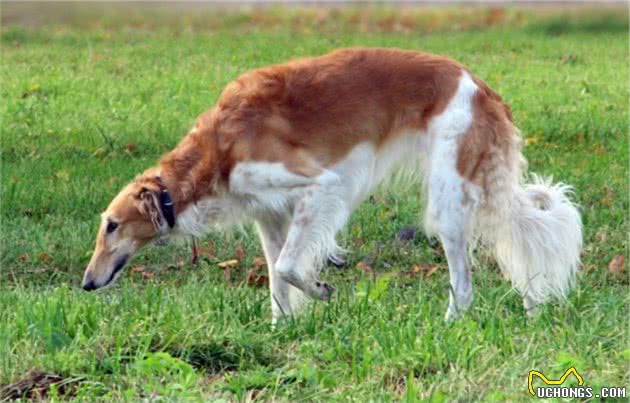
(166, 203)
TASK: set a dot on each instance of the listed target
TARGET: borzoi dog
(297, 147)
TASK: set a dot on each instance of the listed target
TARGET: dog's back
(343, 98)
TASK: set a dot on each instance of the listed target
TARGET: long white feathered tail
(536, 239)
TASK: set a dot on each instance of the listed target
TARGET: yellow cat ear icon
(530, 379)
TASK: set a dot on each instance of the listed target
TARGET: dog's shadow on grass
(223, 356)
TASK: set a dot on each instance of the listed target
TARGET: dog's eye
(111, 227)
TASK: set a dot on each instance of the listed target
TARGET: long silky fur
(534, 231)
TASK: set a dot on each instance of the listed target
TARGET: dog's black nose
(89, 286)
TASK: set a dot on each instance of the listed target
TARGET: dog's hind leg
(452, 199)
(311, 238)
(285, 299)
(449, 214)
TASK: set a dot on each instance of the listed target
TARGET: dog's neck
(190, 172)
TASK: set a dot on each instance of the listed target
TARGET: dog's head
(134, 218)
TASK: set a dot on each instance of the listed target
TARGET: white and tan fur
(301, 186)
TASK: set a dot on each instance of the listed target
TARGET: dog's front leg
(285, 299)
(311, 238)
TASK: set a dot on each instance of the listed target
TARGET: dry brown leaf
(256, 280)
(138, 269)
(439, 249)
(259, 261)
(36, 386)
(617, 264)
(253, 270)
(207, 251)
(365, 266)
(254, 394)
(431, 270)
(45, 257)
(423, 268)
(239, 253)
(262, 281)
(228, 264)
(148, 275)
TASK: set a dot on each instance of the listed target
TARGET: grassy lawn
(91, 101)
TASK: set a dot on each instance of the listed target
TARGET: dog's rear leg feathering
(533, 229)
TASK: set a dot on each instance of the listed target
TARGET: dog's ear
(150, 206)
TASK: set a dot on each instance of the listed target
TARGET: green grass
(87, 103)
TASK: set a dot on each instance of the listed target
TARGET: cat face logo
(530, 379)
(553, 389)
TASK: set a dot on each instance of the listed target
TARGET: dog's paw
(336, 260)
(323, 291)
